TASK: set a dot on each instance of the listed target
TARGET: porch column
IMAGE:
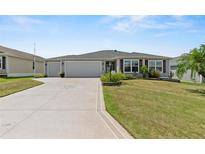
(143, 62)
(45, 68)
(61, 65)
(104, 67)
(118, 65)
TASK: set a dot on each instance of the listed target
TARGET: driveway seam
(27, 117)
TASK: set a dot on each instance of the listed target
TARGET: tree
(194, 61)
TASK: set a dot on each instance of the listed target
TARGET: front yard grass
(158, 109)
(12, 85)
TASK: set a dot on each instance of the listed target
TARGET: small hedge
(154, 74)
(116, 77)
(129, 77)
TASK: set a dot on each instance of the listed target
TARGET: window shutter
(121, 65)
(140, 64)
(33, 65)
(164, 66)
(4, 62)
(146, 62)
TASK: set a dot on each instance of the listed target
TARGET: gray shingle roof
(108, 55)
(19, 54)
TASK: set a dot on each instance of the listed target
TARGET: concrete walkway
(61, 108)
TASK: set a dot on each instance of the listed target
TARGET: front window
(135, 65)
(1, 63)
(156, 65)
(159, 65)
(131, 65)
(127, 64)
(151, 64)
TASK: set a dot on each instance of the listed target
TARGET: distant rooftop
(17, 53)
(108, 54)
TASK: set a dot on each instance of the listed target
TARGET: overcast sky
(64, 35)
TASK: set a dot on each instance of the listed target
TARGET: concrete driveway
(60, 108)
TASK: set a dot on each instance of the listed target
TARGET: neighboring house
(95, 64)
(187, 75)
(14, 63)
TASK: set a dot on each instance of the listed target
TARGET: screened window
(151, 64)
(156, 65)
(131, 65)
(127, 65)
(159, 65)
(135, 65)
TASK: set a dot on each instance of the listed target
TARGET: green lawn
(12, 85)
(158, 109)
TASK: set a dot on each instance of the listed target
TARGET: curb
(117, 129)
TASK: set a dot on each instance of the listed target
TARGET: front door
(110, 65)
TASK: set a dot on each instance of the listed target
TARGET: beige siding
(40, 67)
(18, 65)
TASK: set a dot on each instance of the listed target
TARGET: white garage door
(83, 68)
(53, 69)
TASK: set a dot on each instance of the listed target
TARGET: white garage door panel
(83, 68)
(53, 69)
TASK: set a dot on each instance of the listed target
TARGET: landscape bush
(154, 74)
(115, 77)
(129, 77)
(144, 70)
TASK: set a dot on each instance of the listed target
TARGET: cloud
(132, 23)
(122, 26)
(110, 18)
(25, 21)
(19, 23)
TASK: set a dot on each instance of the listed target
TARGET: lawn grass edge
(110, 113)
(39, 84)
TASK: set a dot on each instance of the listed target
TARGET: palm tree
(194, 61)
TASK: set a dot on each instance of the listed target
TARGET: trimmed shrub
(115, 77)
(154, 74)
(105, 77)
(129, 77)
(144, 70)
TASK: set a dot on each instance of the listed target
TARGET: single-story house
(15, 63)
(95, 64)
(187, 76)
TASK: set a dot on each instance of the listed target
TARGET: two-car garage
(83, 68)
(75, 68)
